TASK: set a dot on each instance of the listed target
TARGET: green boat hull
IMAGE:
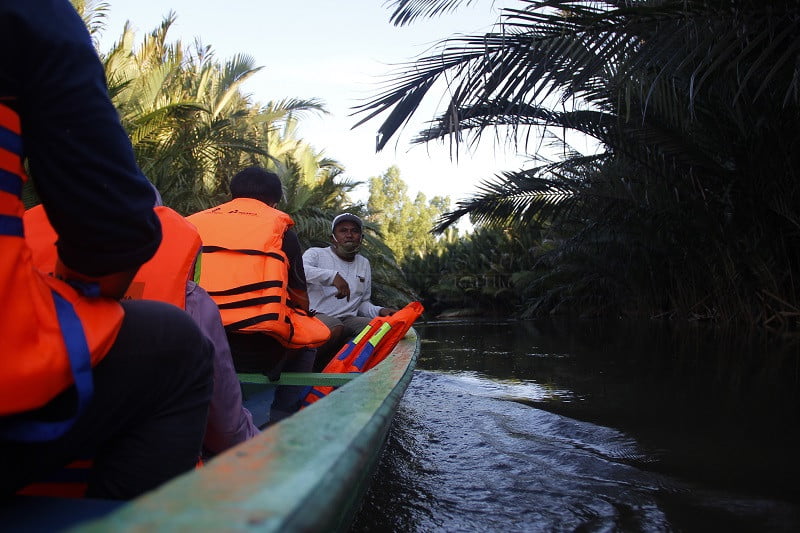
(306, 473)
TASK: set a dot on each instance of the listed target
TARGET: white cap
(346, 217)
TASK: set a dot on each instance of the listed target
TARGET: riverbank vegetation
(686, 206)
(689, 209)
(192, 127)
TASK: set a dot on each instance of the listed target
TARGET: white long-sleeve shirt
(321, 266)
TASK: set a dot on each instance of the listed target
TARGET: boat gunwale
(306, 472)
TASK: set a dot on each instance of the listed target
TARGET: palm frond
(407, 11)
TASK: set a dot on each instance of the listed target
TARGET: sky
(338, 52)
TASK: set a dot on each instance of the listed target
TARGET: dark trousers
(260, 353)
(146, 421)
(289, 398)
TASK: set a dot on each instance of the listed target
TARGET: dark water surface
(528, 426)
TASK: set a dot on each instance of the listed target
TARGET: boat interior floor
(37, 513)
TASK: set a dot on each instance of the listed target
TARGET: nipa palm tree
(690, 207)
(190, 124)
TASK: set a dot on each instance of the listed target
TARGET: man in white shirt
(340, 285)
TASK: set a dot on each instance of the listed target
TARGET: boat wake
(466, 453)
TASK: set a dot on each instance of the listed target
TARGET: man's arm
(366, 307)
(314, 268)
(80, 157)
(297, 277)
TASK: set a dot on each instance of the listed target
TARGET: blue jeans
(289, 398)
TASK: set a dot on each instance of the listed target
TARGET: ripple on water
(464, 456)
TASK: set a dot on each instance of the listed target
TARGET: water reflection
(529, 426)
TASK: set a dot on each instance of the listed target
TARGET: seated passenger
(253, 269)
(168, 277)
(77, 366)
(340, 286)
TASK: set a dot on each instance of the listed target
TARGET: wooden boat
(305, 473)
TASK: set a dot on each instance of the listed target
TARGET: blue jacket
(95, 195)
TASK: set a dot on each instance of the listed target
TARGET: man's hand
(342, 288)
(387, 311)
(299, 298)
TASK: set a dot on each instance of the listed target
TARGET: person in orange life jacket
(168, 276)
(81, 373)
(258, 340)
(340, 285)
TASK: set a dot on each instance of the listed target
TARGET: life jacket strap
(11, 141)
(10, 182)
(11, 226)
(249, 302)
(246, 251)
(22, 429)
(266, 317)
(241, 324)
(250, 287)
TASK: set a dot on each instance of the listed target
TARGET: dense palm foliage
(189, 122)
(479, 274)
(192, 128)
(691, 206)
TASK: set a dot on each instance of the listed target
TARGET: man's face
(347, 232)
(346, 239)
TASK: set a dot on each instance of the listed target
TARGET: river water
(583, 426)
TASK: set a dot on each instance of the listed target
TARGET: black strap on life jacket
(250, 302)
(266, 317)
(241, 289)
(246, 251)
(247, 322)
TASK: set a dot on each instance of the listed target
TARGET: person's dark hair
(255, 182)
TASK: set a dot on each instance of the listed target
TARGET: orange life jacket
(164, 277)
(161, 278)
(369, 347)
(400, 322)
(52, 335)
(247, 273)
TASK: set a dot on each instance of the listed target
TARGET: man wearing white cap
(340, 285)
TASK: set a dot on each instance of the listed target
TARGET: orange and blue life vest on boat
(400, 322)
(52, 334)
(246, 272)
(368, 348)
